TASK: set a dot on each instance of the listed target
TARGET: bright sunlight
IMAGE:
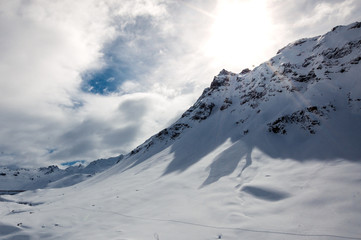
(240, 33)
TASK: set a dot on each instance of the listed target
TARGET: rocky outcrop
(306, 119)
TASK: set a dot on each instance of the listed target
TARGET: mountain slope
(310, 86)
(271, 153)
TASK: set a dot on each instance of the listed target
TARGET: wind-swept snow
(272, 199)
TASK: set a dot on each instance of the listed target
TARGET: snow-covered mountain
(309, 84)
(269, 153)
(51, 176)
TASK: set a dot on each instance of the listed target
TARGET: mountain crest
(302, 88)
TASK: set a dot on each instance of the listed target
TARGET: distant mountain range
(52, 176)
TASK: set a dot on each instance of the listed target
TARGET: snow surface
(272, 153)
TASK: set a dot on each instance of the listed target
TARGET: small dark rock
(244, 71)
(275, 129)
(356, 25)
(335, 28)
(219, 82)
(224, 72)
(356, 60)
(300, 42)
(312, 109)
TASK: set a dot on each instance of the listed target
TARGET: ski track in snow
(220, 228)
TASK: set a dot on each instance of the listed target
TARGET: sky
(88, 79)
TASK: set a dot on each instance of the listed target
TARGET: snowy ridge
(273, 153)
(51, 176)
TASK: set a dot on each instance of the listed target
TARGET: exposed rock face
(173, 131)
(306, 118)
(244, 71)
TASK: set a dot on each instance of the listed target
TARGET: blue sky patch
(72, 163)
(104, 81)
(51, 150)
(135, 52)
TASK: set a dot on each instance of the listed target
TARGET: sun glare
(240, 34)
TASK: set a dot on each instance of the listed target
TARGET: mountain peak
(306, 85)
(224, 72)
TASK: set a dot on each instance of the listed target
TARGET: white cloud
(303, 18)
(45, 46)
(326, 11)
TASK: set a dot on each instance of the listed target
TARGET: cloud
(81, 80)
(139, 40)
(46, 47)
(133, 109)
(297, 19)
(120, 137)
